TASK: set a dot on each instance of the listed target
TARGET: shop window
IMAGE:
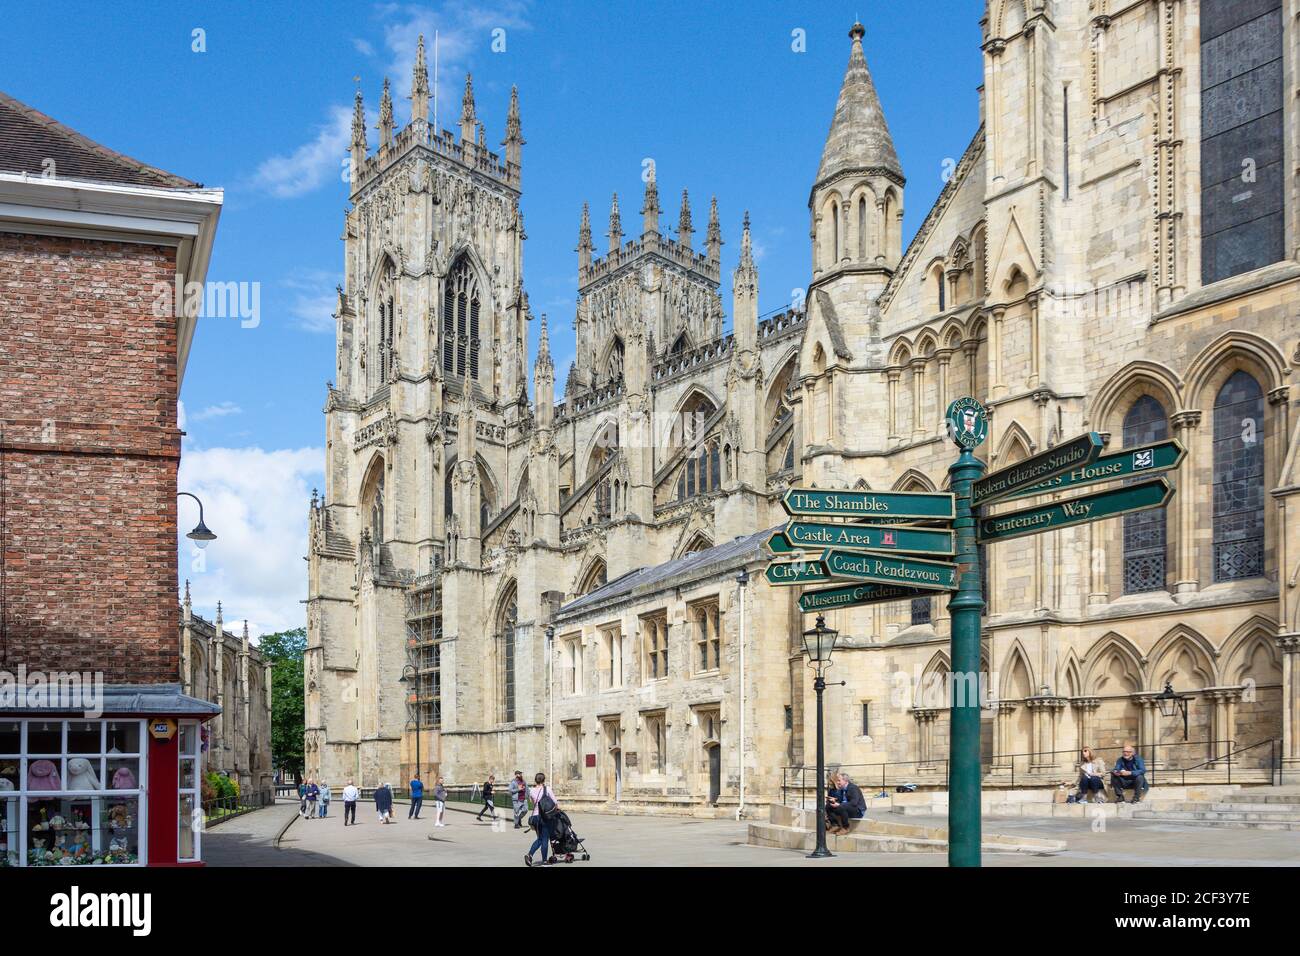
(190, 819)
(70, 792)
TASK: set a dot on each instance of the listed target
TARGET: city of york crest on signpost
(968, 423)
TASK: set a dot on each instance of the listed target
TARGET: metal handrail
(1273, 762)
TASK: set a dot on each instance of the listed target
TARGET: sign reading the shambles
(823, 534)
(796, 572)
(1037, 468)
(1094, 507)
(869, 504)
(890, 570)
(854, 595)
(1140, 459)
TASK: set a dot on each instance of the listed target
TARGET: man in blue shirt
(1129, 773)
(417, 798)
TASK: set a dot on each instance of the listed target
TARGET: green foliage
(284, 650)
(219, 785)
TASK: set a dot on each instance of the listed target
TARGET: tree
(284, 650)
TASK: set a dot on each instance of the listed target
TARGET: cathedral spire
(468, 119)
(746, 246)
(650, 205)
(358, 127)
(386, 118)
(187, 593)
(859, 136)
(713, 238)
(514, 132)
(420, 85)
(615, 225)
(584, 239)
(684, 227)
(544, 379)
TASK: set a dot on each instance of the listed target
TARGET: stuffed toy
(118, 818)
(81, 776)
(43, 775)
(6, 784)
(123, 779)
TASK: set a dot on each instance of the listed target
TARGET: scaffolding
(424, 652)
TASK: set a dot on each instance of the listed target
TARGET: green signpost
(1085, 508)
(1125, 463)
(867, 504)
(887, 569)
(804, 571)
(855, 595)
(824, 534)
(1036, 469)
(779, 544)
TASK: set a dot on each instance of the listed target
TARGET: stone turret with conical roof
(857, 197)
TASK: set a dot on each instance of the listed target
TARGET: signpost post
(968, 427)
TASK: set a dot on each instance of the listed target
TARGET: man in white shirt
(350, 796)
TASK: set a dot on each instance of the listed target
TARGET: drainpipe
(550, 691)
(742, 579)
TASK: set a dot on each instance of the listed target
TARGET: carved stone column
(893, 375)
(999, 387)
(1035, 343)
(1289, 644)
(1187, 572)
(1001, 763)
(919, 428)
(944, 358)
(924, 717)
(1085, 709)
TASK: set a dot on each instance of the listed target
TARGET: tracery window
(1239, 479)
(1145, 545)
(461, 307)
(506, 621)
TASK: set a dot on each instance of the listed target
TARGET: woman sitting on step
(1092, 774)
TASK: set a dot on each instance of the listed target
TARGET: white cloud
(314, 299)
(217, 411)
(180, 415)
(311, 165)
(363, 47)
(256, 503)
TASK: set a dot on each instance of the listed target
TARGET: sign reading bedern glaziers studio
(1037, 468)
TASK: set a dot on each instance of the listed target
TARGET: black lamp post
(1170, 703)
(819, 644)
(410, 674)
(201, 534)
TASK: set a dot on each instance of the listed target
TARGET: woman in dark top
(488, 805)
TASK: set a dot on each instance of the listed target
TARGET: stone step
(1263, 795)
(1246, 820)
(866, 841)
(1284, 810)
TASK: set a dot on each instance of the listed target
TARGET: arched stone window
(835, 233)
(377, 512)
(461, 309)
(862, 227)
(1239, 479)
(507, 618)
(614, 364)
(1145, 544)
(381, 330)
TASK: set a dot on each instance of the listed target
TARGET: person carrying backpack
(544, 806)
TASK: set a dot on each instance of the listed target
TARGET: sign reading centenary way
(823, 534)
(797, 572)
(1140, 459)
(855, 595)
(1101, 504)
(886, 569)
(1036, 469)
(868, 504)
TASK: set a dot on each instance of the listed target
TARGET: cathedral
(574, 583)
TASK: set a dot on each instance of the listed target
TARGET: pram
(565, 843)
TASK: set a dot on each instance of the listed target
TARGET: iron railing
(1166, 762)
(220, 809)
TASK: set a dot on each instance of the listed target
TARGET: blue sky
(714, 93)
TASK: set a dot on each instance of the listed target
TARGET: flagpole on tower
(436, 131)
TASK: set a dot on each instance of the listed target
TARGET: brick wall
(88, 455)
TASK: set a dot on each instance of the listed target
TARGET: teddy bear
(81, 775)
(118, 818)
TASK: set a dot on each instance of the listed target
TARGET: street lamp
(819, 644)
(1170, 703)
(409, 674)
(201, 534)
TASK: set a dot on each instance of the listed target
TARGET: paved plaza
(250, 840)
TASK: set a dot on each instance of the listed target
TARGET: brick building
(91, 360)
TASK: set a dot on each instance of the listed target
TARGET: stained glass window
(1145, 545)
(1239, 479)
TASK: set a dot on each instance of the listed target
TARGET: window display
(190, 820)
(70, 792)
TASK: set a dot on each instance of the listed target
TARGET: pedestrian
(417, 798)
(519, 798)
(544, 806)
(313, 794)
(488, 805)
(324, 799)
(384, 803)
(350, 796)
(439, 801)
(302, 797)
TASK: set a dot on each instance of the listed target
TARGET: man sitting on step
(1129, 773)
(844, 802)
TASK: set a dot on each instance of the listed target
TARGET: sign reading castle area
(869, 504)
(933, 575)
(1037, 469)
(1094, 507)
(813, 534)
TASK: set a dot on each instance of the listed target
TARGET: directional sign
(1138, 460)
(868, 504)
(1062, 514)
(779, 544)
(823, 534)
(853, 595)
(888, 569)
(797, 572)
(1037, 468)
